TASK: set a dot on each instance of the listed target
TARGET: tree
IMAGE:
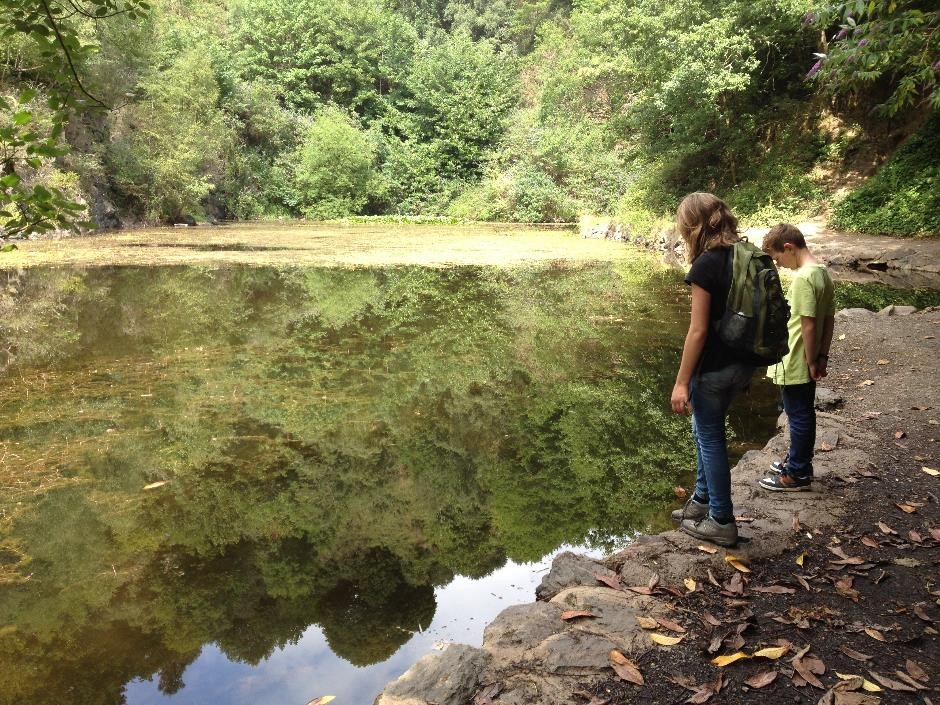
(894, 41)
(50, 27)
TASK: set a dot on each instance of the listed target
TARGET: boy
(812, 310)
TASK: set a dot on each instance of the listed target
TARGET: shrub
(334, 169)
(903, 197)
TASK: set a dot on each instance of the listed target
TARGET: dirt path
(906, 262)
(840, 580)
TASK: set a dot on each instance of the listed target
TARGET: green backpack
(755, 320)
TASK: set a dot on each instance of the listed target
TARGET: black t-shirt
(711, 270)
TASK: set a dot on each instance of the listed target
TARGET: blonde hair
(781, 235)
(705, 222)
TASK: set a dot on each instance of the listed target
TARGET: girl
(710, 374)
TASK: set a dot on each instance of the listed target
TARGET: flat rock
(893, 310)
(569, 569)
(848, 313)
(447, 678)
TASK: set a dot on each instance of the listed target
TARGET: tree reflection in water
(335, 445)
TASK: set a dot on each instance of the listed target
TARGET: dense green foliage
(875, 297)
(521, 110)
(903, 197)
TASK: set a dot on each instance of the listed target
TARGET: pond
(232, 484)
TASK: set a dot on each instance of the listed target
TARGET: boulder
(827, 399)
(447, 678)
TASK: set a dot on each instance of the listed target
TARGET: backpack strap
(742, 253)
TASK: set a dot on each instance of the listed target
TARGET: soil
(869, 584)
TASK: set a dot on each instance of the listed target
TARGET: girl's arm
(692, 350)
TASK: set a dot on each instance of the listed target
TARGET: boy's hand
(817, 370)
(680, 399)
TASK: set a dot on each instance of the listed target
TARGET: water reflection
(335, 445)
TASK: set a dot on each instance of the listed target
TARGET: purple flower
(815, 69)
(809, 18)
(841, 35)
(862, 43)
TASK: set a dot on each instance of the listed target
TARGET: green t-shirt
(811, 294)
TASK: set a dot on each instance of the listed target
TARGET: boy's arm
(810, 348)
(824, 345)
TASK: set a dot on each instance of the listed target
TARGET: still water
(227, 485)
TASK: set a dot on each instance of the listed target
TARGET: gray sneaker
(692, 510)
(710, 530)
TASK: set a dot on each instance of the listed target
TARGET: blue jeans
(799, 403)
(711, 394)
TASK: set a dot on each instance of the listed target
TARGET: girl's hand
(680, 399)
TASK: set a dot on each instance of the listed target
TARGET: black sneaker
(778, 466)
(708, 529)
(786, 483)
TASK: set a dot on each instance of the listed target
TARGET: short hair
(783, 234)
(704, 221)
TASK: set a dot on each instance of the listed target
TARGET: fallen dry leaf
(931, 471)
(664, 640)
(486, 695)
(574, 614)
(736, 563)
(161, 483)
(760, 680)
(826, 447)
(805, 668)
(772, 652)
(680, 492)
(906, 508)
(775, 590)
(910, 681)
(891, 683)
(866, 383)
(883, 362)
(611, 581)
(899, 434)
(866, 684)
(625, 668)
(870, 542)
(844, 587)
(853, 654)
(726, 659)
(690, 584)
(709, 618)
(915, 537)
(922, 613)
(795, 523)
(707, 549)
(875, 634)
(647, 622)
(800, 559)
(885, 529)
(671, 626)
(916, 671)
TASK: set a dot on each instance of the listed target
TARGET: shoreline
(532, 654)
